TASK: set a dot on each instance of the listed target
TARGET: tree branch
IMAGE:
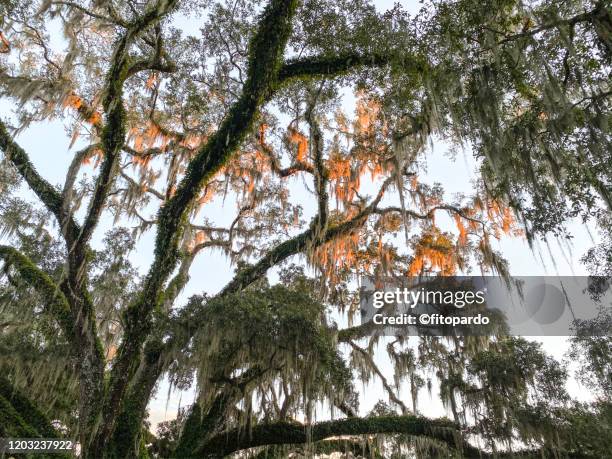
(275, 166)
(584, 17)
(50, 197)
(113, 20)
(298, 244)
(329, 66)
(51, 294)
(266, 50)
(429, 214)
(156, 61)
(321, 174)
(281, 433)
(113, 133)
(26, 409)
(392, 395)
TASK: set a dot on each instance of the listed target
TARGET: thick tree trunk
(125, 442)
(89, 358)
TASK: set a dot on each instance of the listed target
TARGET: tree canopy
(309, 122)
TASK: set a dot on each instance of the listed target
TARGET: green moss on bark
(280, 433)
(30, 414)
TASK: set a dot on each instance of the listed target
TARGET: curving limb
(113, 132)
(266, 48)
(49, 196)
(442, 430)
(331, 66)
(56, 302)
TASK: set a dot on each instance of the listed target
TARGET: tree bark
(282, 433)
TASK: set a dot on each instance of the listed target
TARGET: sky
(47, 143)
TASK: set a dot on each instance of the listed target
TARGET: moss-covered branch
(11, 423)
(49, 196)
(125, 438)
(28, 414)
(113, 132)
(321, 173)
(281, 433)
(266, 53)
(78, 326)
(20, 418)
(54, 299)
(335, 65)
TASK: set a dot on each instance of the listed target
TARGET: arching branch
(113, 132)
(50, 197)
(55, 301)
(330, 66)
(266, 50)
(281, 433)
(27, 411)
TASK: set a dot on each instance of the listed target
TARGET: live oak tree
(164, 125)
